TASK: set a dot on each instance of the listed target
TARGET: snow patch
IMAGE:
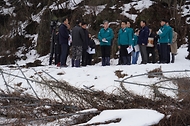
(129, 117)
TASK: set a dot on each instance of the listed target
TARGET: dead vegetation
(21, 109)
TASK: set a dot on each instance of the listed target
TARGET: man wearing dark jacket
(78, 38)
(85, 44)
(143, 40)
(63, 40)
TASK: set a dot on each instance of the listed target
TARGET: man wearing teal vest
(105, 37)
(165, 39)
(125, 37)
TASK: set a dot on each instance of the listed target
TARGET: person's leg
(84, 57)
(153, 55)
(168, 53)
(63, 54)
(107, 55)
(133, 57)
(73, 55)
(78, 55)
(103, 55)
(123, 54)
(144, 54)
(163, 50)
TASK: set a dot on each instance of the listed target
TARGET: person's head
(128, 24)
(105, 24)
(65, 21)
(123, 24)
(84, 25)
(78, 22)
(143, 23)
(163, 22)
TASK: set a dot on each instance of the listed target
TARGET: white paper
(90, 51)
(159, 32)
(136, 48)
(129, 49)
(70, 40)
(104, 40)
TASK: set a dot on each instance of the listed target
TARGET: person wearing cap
(143, 40)
(63, 41)
(78, 38)
(105, 37)
(165, 38)
(125, 37)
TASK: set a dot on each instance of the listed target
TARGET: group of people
(130, 42)
(81, 41)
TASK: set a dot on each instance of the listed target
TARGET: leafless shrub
(119, 74)
(154, 73)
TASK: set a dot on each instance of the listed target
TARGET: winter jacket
(107, 34)
(143, 36)
(63, 34)
(125, 36)
(174, 43)
(78, 36)
(135, 40)
(91, 43)
(165, 34)
(85, 43)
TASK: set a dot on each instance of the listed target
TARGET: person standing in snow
(125, 37)
(143, 40)
(63, 40)
(174, 46)
(91, 47)
(85, 44)
(135, 53)
(105, 37)
(78, 38)
(165, 40)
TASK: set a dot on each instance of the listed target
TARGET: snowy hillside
(115, 95)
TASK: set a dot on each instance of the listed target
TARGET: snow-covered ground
(103, 78)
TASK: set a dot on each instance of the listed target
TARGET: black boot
(173, 58)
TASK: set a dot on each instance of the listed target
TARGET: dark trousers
(106, 50)
(164, 53)
(151, 50)
(89, 59)
(143, 52)
(84, 57)
(126, 57)
(64, 52)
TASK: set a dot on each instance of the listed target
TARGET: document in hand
(136, 48)
(104, 40)
(90, 51)
(129, 49)
(159, 32)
